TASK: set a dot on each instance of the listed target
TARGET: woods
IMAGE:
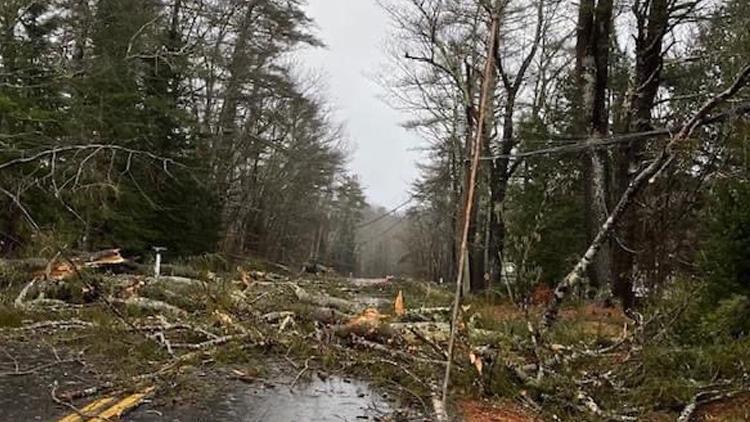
(182, 213)
(580, 110)
(180, 124)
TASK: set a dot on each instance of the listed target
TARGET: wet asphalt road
(334, 400)
(28, 396)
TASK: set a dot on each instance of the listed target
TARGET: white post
(157, 261)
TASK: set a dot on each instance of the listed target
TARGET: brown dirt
(504, 411)
(597, 320)
(542, 295)
(591, 312)
(502, 312)
(732, 410)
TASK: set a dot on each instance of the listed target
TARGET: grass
(10, 317)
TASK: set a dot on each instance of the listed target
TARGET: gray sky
(384, 153)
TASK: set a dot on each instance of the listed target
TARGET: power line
(391, 212)
(584, 144)
(383, 233)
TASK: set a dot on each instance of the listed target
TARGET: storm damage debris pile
(135, 331)
(393, 332)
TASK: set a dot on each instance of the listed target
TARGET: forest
(576, 246)
(183, 125)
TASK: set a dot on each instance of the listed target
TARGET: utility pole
(485, 110)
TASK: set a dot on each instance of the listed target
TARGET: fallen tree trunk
(273, 317)
(437, 314)
(20, 301)
(432, 331)
(646, 176)
(325, 301)
(328, 315)
(61, 268)
(168, 270)
(25, 265)
(151, 305)
(55, 325)
(178, 281)
(212, 343)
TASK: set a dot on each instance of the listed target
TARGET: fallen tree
(325, 301)
(648, 175)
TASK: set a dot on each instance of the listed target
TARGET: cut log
(177, 281)
(101, 258)
(60, 269)
(325, 301)
(151, 305)
(273, 317)
(328, 315)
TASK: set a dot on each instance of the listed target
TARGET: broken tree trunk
(488, 86)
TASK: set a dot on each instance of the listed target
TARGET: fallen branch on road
(151, 305)
(211, 343)
(324, 301)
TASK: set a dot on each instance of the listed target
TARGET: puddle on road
(335, 399)
(331, 400)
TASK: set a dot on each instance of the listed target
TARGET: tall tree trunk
(648, 66)
(230, 183)
(592, 61)
(472, 128)
(81, 15)
(502, 167)
(499, 178)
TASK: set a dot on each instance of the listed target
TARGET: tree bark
(472, 128)
(501, 168)
(646, 81)
(592, 61)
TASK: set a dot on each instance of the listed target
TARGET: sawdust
(503, 411)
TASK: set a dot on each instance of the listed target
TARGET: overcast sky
(384, 153)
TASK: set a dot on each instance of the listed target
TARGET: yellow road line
(123, 405)
(91, 408)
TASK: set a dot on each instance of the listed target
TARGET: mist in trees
(184, 124)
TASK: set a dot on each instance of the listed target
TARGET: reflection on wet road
(333, 399)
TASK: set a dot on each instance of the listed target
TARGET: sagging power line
(582, 144)
(388, 213)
